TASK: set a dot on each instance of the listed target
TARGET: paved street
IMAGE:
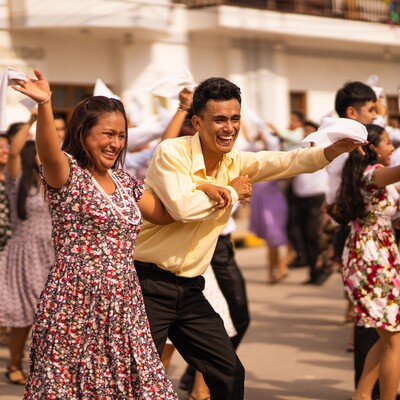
(295, 346)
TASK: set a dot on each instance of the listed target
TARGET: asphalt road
(295, 348)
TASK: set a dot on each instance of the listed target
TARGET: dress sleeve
(368, 184)
(69, 188)
(133, 184)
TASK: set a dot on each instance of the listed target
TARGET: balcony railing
(380, 11)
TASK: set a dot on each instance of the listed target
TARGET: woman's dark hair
(5, 136)
(29, 168)
(13, 129)
(349, 204)
(85, 116)
(218, 89)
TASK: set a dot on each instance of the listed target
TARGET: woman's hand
(218, 193)
(37, 89)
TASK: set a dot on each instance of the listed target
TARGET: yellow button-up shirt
(185, 247)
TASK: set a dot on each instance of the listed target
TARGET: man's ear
(351, 112)
(196, 122)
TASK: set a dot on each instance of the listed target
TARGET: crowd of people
(108, 270)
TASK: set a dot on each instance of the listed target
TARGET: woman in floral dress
(5, 224)
(28, 254)
(91, 337)
(371, 260)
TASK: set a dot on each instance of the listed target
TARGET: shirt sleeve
(269, 165)
(170, 177)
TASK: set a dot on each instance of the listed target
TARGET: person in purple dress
(91, 337)
(268, 220)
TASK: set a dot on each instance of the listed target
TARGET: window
(298, 102)
(392, 109)
(66, 97)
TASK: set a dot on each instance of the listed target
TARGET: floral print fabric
(25, 260)
(91, 337)
(5, 224)
(371, 261)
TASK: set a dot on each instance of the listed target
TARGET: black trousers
(303, 226)
(176, 308)
(232, 285)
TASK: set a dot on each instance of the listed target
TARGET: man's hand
(243, 187)
(185, 97)
(220, 194)
(342, 146)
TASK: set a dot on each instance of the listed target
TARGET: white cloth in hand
(8, 77)
(170, 86)
(101, 89)
(334, 129)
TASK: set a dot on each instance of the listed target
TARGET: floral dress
(5, 224)
(371, 260)
(91, 337)
(26, 258)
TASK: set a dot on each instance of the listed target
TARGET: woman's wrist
(47, 99)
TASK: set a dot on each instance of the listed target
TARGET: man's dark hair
(218, 89)
(353, 94)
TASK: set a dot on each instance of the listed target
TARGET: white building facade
(281, 60)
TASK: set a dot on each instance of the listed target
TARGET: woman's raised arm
(55, 163)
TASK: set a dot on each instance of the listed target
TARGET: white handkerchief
(101, 89)
(170, 86)
(7, 78)
(29, 103)
(372, 81)
(334, 129)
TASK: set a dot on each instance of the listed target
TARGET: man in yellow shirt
(171, 258)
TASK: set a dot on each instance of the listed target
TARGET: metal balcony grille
(380, 11)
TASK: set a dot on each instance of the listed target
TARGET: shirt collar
(198, 159)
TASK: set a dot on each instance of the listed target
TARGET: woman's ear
(373, 148)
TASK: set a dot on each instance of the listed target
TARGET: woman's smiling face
(106, 140)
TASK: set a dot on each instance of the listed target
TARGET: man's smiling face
(219, 126)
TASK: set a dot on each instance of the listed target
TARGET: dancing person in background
(26, 259)
(371, 259)
(5, 222)
(359, 102)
